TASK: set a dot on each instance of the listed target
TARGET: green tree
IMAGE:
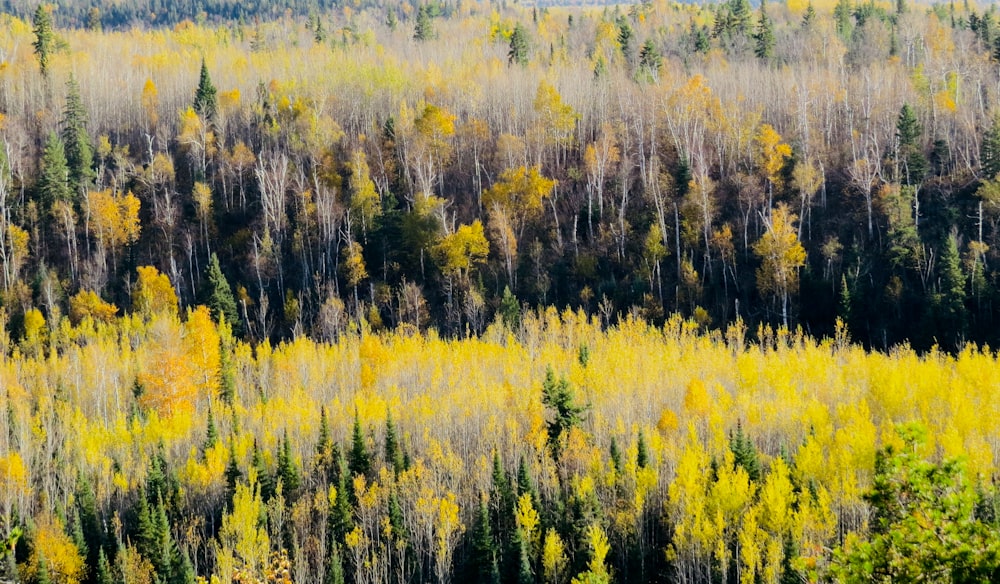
(650, 60)
(424, 29)
(518, 53)
(989, 153)
(218, 296)
(359, 462)
(764, 35)
(53, 178)
(76, 140)
(393, 450)
(950, 297)
(909, 155)
(205, 100)
(44, 37)
(286, 471)
(484, 551)
(625, 36)
(103, 574)
(558, 396)
(925, 527)
(842, 18)
(809, 17)
(745, 453)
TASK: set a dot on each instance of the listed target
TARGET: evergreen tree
(524, 482)
(616, 455)
(745, 453)
(424, 29)
(566, 413)
(103, 575)
(625, 36)
(393, 452)
(263, 476)
(484, 552)
(53, 180)
(227, 371)
(908, 149)
(642, 454)
(233, 476)
(810, 16)
(359, 461)
(42, 576)
(391, 20)
(76, 140)
(286, 470)
(518, 53)
(989, 157)
(205, 100)
(650, 60)
(89, 522)
(951, 295)
(45, 39)
(218, 296)
(764, 35)
(334, 572)
(842, 18)
(341, 514)
(212, 433)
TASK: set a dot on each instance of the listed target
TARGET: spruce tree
(616, 455)
(989, 157)
(218, 296)
(909, 155)
(53, 180)
(642, 453)
(951, 295)
(424, 29)
(205, 101)
(484, 552)
(650, 60)
(393, 451)
(764, 35)
(842, 18)
(334, 570)
(286, 470)
(103, 574)
(518, 53)
(45, 39)
(233, 476)
(359, 461)
(76, 140)
(89, 521)
(745, 453)
(810, 16)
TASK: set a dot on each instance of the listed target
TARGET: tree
(424, 29)
(925, 526)
(218, 296)
(558, 396)
(909, 152)
(205, 100)
(989, 157)
(53, 179)
(359, 462)
(153, 292)
(44, 37)
(518, 53)
(764, 35)
(650, 60)
(484, 551)
(461, 251)
(76, 140)
(781, 254)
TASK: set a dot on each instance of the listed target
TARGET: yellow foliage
(62, 559)
(153, 293)
(459, 252)
(87, 304)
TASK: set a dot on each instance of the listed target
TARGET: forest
(465, 291)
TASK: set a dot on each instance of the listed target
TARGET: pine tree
(103, 575)
(424, 29)
(764, 35)
(842, 18)
(951, 295)
(908, 151)
(642, 454)
(391, 20)
(205, 101)
(263, 476)
(53, 180)
(484, 552)
(745, 453)
(233, 476)
(334, 571)
(989, 157)
(218, 296)
(650, 60)
(810, 16)
(212, 433)
(518, 53)
(625, 36)
(45, 41)
(42, 575)
(359, 461)
(559, 397)
(616, 455)
(286, 470)
(89, 521)
(393, 452)
(76, 140)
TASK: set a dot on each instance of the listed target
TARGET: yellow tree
(153, 293)
(556, 121)
(431, 147)
(781, 255)
(114, 219)
(771, 156)
(365, 200)
(514, 199)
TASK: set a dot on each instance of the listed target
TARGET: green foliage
(565, 413)
(484, 552)
(53, 182)
(76, 140)
(205, 99)
(287, 471)
(924, 528)
(989, 157)
(909, 150)
(842, 18)
(393, 449)
(745, 453)
(650, 60)
(424, 29)
(510, 309)
(218, 296)
(359, 461)
(764, 35)
(44, 43)
(519, 48)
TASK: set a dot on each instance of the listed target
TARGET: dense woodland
(276, 294)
